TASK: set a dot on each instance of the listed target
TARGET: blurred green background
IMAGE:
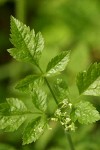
(65, 24)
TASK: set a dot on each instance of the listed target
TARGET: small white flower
(54, 119)
(72, 126)
(66, 128)
(65, 102)
(64, 114)
(67, 120)
(58, 112)
(62, 123)
(70, 105)
(40, 129)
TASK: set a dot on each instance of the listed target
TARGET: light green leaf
(11, 120)
(27, 46)
(16, 105)
(88, 82)
(39, 99)
(58, 63)
(28, 82)
(86, 113)
(33, 130)
(61, 90)
(11, 123)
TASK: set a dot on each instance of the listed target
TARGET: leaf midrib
(26, 45)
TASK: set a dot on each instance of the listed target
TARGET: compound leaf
(88, 82)
(86, 113)
(25, 84)
(27, 46)
(39, 99)
(58, 63)
(11, 120)
(33, 130)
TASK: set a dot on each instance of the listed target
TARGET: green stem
(51, 90)
(66, 133)
(70, 140)
(48, 85)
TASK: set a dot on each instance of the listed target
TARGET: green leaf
(86, 113)
(11, 120)
(39, 45)
(28, 82)
(33, 130)
(39, 99)
(61, 90)
(11, 123)
(88, 82)
(27, 46)
(58, 63)
(16, 105)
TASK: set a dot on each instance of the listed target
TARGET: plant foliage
(28, 47)
(86, 113)
(88, 82)
(58, 63)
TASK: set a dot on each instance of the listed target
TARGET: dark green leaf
(88, 82)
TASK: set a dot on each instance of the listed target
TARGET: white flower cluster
(62, 115)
